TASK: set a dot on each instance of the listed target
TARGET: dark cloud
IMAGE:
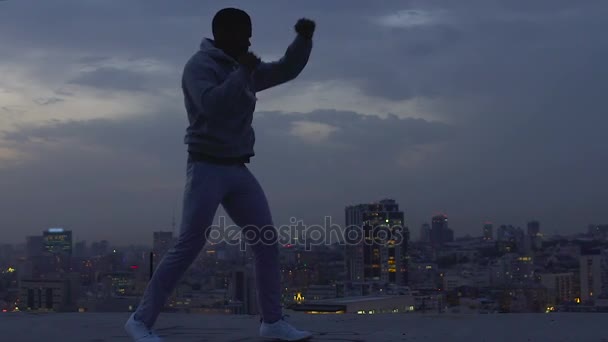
(88, 60)
(13, 110)
(63, 92)
(116, 79)
(130, 173)
(100, 168)
(47, 101)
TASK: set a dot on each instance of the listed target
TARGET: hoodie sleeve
(211, 96)
(268, 75)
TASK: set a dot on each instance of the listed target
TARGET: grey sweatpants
(237, 190)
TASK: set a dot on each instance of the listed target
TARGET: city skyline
(484, 111)
(223, 219)
(378, 269)
(488, 231)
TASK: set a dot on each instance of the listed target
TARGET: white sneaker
(283, 331)
(138, 331)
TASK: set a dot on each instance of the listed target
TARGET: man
(219, 85)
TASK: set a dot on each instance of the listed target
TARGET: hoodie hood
(208, 47)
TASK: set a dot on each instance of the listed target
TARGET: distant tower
(534, 238)
(488, 231)
(440, 233)
(533, 228)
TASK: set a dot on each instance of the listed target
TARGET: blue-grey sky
(485, 110)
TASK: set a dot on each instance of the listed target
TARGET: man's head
(232, 31)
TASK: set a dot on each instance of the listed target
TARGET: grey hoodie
(220, 99)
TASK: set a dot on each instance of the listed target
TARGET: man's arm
(268, 75)
(209, 95)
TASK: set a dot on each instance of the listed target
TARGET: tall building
(80, 249)
(534, 238)
(38, 261)
(58, 241)
(162, 242)
(376, 246)
(34, 246)
(57, 247)
(533, 228)
(440, 233)
(425, 233)
(503, 232)
(590, 276)
(488, 231)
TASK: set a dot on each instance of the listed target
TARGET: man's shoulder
(200, 61)
(200, 58)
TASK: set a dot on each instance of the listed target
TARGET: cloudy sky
(483, 110)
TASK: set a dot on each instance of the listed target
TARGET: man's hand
(249, 61)
(305, 28)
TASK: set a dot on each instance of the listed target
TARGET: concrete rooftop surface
(99, 327)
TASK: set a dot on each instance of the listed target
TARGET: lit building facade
(57, 241)
(377, 240)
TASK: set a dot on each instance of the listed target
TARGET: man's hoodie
(220, 99)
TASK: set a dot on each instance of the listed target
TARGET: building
(56, 251)
(242, 292)
(534, 237)
(560, 287)
(376, 243)
(440, 233)
(598, 231)
(511, 239)
(488, 231)
(424, 275)
(533, 228)
(512, 269)
(117, 284)
(367, 305)
(590, 276)
(36, 263)
(319, 292)
(60, 294)
(57, 241)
